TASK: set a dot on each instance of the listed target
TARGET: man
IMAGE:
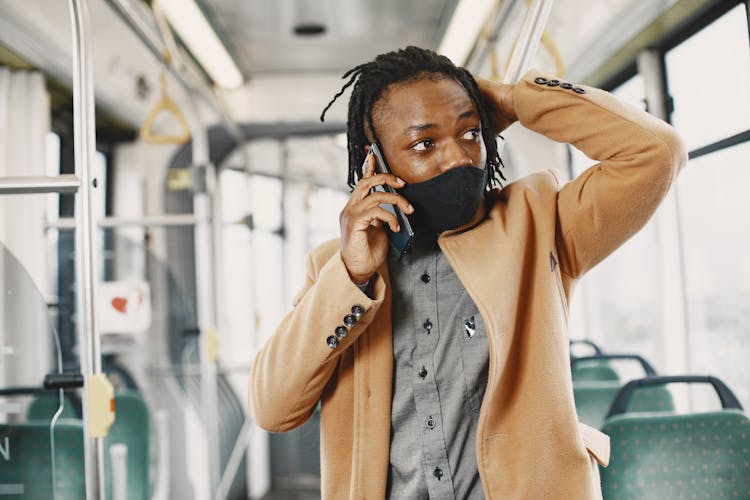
(444, 373)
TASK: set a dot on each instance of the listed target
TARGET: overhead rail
(148, 35)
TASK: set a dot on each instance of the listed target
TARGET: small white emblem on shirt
(470, 327)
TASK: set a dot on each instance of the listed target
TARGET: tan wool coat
(519, 264)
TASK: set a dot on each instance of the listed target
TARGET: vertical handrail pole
(86, 265)
(205, 282)
(528, 39)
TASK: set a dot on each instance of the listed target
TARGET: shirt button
(423, 372)
(425, 278)
(332, 342)
(430, 423)
(341, 331)
(427, 325)
(350, 320)
(438, 473)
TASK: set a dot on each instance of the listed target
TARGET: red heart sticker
(120, 303)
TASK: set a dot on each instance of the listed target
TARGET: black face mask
(446, 201)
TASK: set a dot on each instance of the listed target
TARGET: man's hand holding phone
(364, 241)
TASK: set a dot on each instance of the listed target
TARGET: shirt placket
(425, 387)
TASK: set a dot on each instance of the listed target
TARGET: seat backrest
(26, 464)
(705, 455)
(593, 400)
(131, 428)
(595, 371)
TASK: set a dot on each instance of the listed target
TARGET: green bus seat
(598, 371)
(44, 407)
(660, 456)
(593, 400)
(678, 456)
(597, 367)
(26, 464)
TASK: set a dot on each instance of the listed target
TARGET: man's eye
(472, 134)
(423, 145)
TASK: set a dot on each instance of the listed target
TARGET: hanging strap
(165, 104)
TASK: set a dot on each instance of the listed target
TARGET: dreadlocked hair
(411, 63)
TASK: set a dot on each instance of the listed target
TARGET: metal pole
(482, 49)
(204, 180)
(238, 453)
(166, 220)
(63, 184)
(86, 265)
(528, 39)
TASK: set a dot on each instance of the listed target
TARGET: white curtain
(24, 126)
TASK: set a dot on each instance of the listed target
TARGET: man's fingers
(369, 165)
(367, 183)
(379, 197)
(375, 216)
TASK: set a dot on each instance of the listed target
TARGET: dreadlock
(411, 63)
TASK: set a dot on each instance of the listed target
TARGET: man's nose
(454, 155)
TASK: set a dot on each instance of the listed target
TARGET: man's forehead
(411, 95)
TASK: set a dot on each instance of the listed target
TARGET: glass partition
(41, 432)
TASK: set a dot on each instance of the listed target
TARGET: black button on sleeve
(540, 80)
(332, 342)
(553, 83)
(425, 278)
(341, 331)
(578, 90)
(438, 473)
(566, 86)
(358, 311)
(350, 320)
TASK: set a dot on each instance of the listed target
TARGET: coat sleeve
(294, 365)
(638, 158)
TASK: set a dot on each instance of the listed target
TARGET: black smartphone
(402, 240)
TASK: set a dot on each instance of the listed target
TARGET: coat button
(425, 278)
(341, 331)
(332, 342)
(566, 86)
(423, 372)
(540, 80)
(578, 90)
(430, 423)
(427, 325)
(358, 311)
(553, 83)
(438, 473)
(350, 320)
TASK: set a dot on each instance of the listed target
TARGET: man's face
(428, 126)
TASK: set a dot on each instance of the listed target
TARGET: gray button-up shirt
(439, 377)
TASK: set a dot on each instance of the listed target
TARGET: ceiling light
(193, 27)
(464, 28)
